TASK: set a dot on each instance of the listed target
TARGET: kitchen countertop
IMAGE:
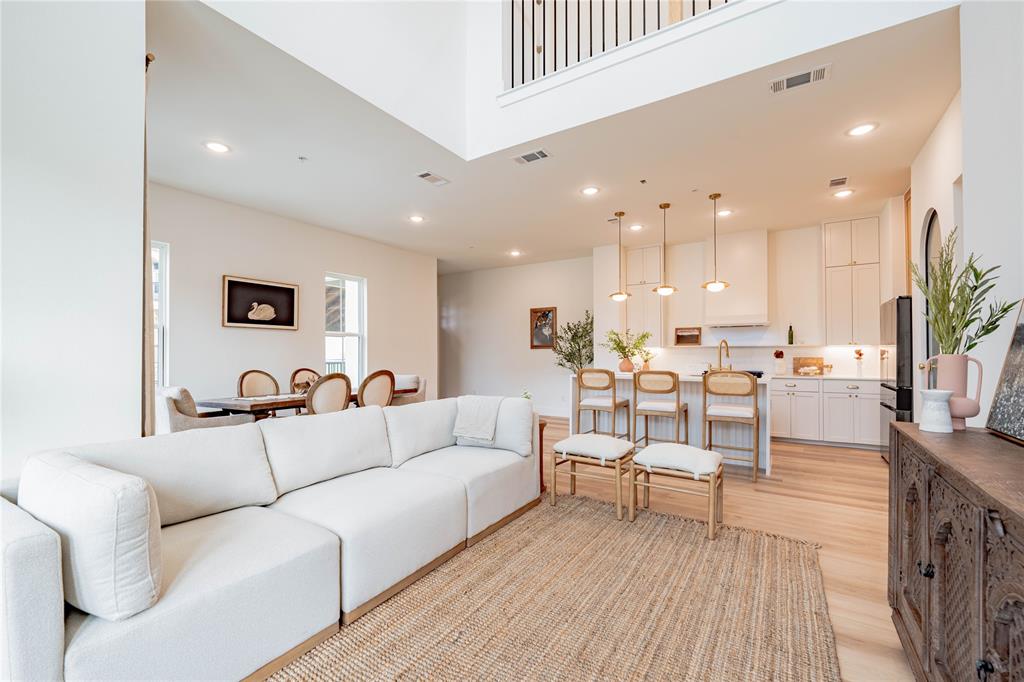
(840, 377)
(692, 378)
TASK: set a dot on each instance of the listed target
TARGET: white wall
(211, 238)
(72, 174)
(485, 325)
(892, 249)
(992, 76)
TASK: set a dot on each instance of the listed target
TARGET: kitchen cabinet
(838, 418)
(838, 244)
(644, 312)
(851, 242)
(850, 411)
(852, 305)
(796, 409)
(643, 265)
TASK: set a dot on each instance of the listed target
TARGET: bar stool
(663, 383)
(736, 384)
(600, 380)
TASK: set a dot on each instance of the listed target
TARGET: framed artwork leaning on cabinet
(1006, 417)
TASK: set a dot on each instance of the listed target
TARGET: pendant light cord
(715, 209)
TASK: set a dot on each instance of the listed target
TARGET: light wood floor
(836, 497)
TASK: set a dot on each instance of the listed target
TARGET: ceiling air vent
(432, 178)
(836, 182)
(815, 75)
(530, 157)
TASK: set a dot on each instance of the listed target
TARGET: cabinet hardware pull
(852, 387)
(984, 668)
(790, 385)
(926, 571)
(997, 522)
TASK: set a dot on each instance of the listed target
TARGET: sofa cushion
(109, 528)
(497, 482)
(390, 523)
(513, 429)
(240, 589)
(194, 473)
(311, 448)
(420, 427)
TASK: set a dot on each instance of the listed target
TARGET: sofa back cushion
(420, 427)
(194, 473)
(307, 449)
(109, 527)
(513, 429)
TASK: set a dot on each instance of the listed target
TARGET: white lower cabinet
(796, 415)
(851, 418)
(866, 421)
(831, 410)
(781, 404)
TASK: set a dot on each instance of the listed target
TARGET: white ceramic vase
(935, 411)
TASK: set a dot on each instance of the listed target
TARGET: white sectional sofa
(219, 553)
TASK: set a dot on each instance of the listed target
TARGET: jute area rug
(569, 593)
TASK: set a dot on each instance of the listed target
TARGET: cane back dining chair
(733, 384)
(330, 393)
(603, 381)
(659, 382)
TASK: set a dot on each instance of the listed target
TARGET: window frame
(361, 334)
(161, 324)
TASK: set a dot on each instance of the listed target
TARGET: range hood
(743, 262)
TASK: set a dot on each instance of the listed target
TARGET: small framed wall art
(543, 326)
(259, 304)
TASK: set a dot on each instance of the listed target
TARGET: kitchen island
(691, 392)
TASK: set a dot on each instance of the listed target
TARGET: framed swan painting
(259, 304)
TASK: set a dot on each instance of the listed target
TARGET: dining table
(263, 405)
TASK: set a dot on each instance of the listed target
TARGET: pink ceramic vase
(951, 375)
(626, 365)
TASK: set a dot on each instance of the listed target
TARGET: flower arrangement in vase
(858, 355)
(956, 297)
(646, 355)
(780, 363)
(626, 346)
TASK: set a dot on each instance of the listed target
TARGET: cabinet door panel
(954, 618)
(805, 421)
(780, 403)
(652, 264)
(839, 306)
(635, 266)
(865, 305)
(864, 234)
(837, 244)
(912, 588)
(1004, 602)
(653, 304)
(866, 422)
(838, 417)
(635, 308)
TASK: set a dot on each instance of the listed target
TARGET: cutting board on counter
(817, 364)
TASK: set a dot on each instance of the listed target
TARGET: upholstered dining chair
(662, 383)
(600, 380)
(254, 382)
(176, 411)
(302, 378)
(734, 384)
(329, 393)
(407, 381)
(377, 389)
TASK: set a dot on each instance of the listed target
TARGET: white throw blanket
(477, 417)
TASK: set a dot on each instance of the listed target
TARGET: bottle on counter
(790, 336)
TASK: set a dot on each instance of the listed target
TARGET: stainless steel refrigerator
(896, 362)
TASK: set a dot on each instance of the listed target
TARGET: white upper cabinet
(643, 265)
(865, 304)
(743, 263)
(839, 306)
(644, 312)
(851, 242)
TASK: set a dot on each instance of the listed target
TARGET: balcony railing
(548, 35)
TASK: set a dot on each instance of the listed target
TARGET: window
(932, 248)
(345, 326)
(160, 255)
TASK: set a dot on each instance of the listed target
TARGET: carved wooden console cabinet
(956, 553)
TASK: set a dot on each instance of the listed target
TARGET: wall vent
(432, 178)
(530, 157)
(836, 182)
(815, 75)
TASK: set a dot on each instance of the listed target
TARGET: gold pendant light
(620, 295)
(663, 288)
(715, 285)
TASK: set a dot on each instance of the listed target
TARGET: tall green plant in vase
(958, 320)
(574, 344)
(626, 346)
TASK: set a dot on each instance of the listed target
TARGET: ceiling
(771, 156)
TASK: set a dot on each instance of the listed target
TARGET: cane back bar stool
(600, 380)
(734, 384)
(660, 383)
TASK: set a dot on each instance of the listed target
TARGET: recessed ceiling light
(218, 147)
(843, 193)
(724, 213)
(515, 253)
(590, 191)
(636, 228)
(416, 218)
(862, 129)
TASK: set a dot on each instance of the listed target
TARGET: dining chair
(407, 381)
(255, 382)
(377, 389)
(659, 382)
(176, 411)
(603, 380)
(735, 384)
(329, 393)
(302, 379)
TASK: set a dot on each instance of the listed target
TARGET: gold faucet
(725, 343)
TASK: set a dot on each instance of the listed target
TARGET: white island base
(692, 393)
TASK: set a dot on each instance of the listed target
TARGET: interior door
(865, 304)
(839, 306)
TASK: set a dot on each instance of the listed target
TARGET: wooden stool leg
(572, 478)
(686, 429)
(678, 421)
(755, 453)
(712, 505)
(721, 497)
(618, 489)
(634, 421)
(554, 477)
(632, 492)
(647, 489)
(647, 430)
